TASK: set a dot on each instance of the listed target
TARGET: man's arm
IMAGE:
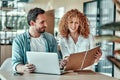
(18, 57)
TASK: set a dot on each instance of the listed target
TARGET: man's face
(40, 23)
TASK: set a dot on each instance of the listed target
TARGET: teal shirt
(21, 44)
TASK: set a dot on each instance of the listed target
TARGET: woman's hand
(64, 62)
(29, 68)
(98, 55)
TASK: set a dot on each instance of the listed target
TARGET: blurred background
(99, 12)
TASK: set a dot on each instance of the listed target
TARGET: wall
(54, 4)
(50, 21)
(5, 52)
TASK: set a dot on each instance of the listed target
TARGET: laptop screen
(45, 62)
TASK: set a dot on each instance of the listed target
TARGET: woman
(75, 34)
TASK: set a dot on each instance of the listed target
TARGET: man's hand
(29, 68)
(21, 68)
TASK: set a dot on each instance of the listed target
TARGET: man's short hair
(33, 13)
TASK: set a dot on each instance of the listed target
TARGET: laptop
(45, 62)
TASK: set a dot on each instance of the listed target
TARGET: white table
(6, 75)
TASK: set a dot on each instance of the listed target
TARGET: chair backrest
(7, 65)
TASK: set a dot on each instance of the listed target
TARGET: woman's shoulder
(91, 35)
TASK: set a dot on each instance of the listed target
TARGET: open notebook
(81, 60)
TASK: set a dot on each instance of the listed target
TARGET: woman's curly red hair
(83, 23)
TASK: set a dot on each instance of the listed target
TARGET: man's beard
(42, 30)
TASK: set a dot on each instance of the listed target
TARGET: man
(35, 39)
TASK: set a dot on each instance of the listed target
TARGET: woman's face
(73, 24)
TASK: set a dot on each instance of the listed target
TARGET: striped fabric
(38, 44)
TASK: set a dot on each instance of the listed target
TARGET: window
(99, 13)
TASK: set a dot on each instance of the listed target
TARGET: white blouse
(68, 46)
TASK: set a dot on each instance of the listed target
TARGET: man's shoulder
(20, 36)
(48, 35)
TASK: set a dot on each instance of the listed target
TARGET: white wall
(54, 4)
